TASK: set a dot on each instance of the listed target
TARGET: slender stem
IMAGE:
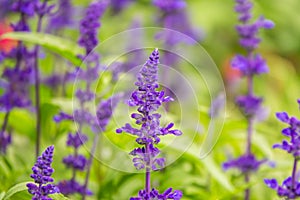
(89, 164)
(294, 172)
(37, 93)
(249, 136)
(247, 191)
(76, 153)
(4, 125)
(249, 133)
(148, 171)
(250, 85)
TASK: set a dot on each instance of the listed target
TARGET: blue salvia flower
(63, 17)
(118, 5)
(19, 77)
(88, 39)
(90, 24)
(174, 17)
(148, 99)
(250, 65)
(290, 187)
(41, 175)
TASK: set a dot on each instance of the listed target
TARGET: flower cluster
(62, 17)
(42, 172)
(19, 77)
(154, 194)
(89, 25)
(252, 64)
(249, 65)
(245, 163)
(175, 18)
(147, 100)
(290, 187)
(81, 115)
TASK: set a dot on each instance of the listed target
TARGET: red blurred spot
(229, 73)
(6, 45)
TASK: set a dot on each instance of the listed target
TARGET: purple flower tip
(268, 24)
(283, 116)
(272, 183)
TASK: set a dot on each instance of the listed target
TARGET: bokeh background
(198, 178)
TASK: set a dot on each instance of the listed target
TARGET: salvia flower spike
(41, 175)
(290, 187)
(249, 65)
(148, 99)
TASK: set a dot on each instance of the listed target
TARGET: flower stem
(294, 172)
(37, 93)
(89, 164)
(247, 191)
(250, 122)
(4, 125)
(148, 171)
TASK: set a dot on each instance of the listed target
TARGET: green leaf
(2, 194)
(15, 189)
(61, 46)
(216, 172)
(58, 196)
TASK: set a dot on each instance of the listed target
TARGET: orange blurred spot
(229, 73)
(6, 45)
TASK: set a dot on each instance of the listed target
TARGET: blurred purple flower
(118, 5)
(62, 116)
(42, 172)
(105, 111)
(170, 5)
(90, 23)
(68, 187)
(16, 92)
(63, 17)
(245, 163)
(174, 17)
(250, 105)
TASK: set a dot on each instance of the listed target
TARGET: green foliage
(60, 46)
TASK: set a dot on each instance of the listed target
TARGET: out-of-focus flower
(6, 45)
(63, 17)
(118, 5)
(245, 163)
(89, 25)
(42, 172)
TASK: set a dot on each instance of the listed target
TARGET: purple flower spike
(245, 163)
(170, 5)
(42, 172)
(148, 99)
(290, 187)
(105, 111)
(90, 24)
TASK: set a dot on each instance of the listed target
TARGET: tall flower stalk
(250, 65)
(148, 99)
(104, 113)
(18, 78)
(290, 187)
(41, 9)
(78, 162)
